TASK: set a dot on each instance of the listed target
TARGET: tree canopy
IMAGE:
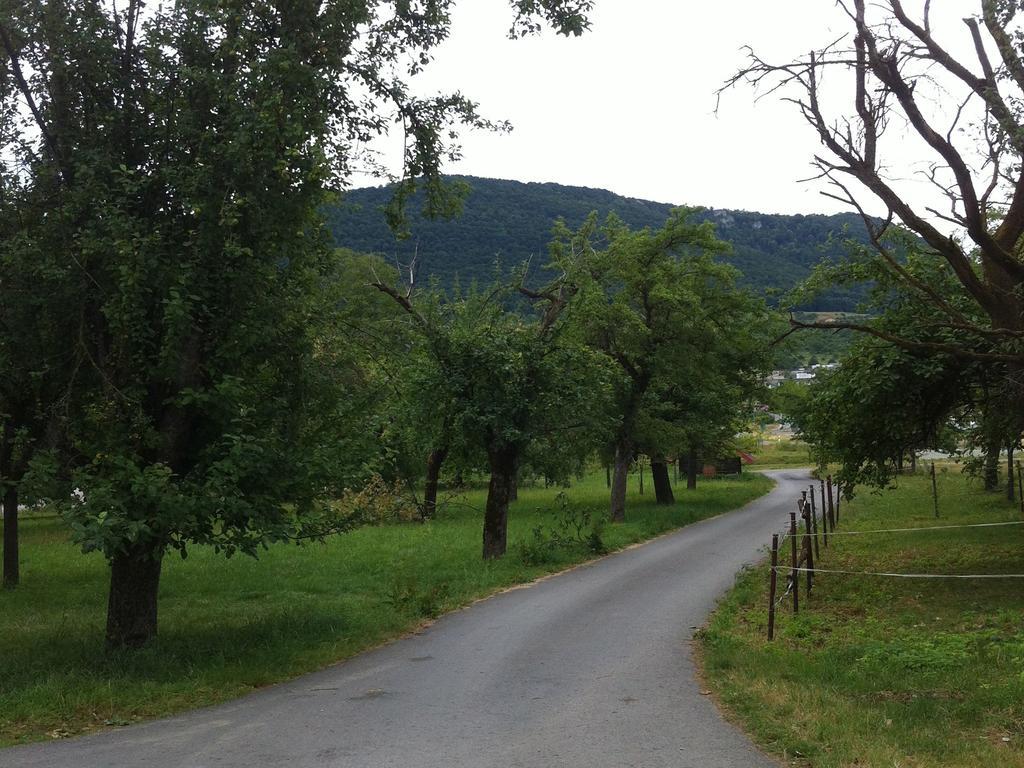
(669, 316)
(164, 168)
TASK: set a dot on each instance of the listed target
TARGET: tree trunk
(992, 465)
(499, 493)
(620, 475)
(608, 475)
(513, 493)
(132, 603)
(1010, 495)
(10, 506)
(9, 502)
(913, 463)
(662, 482)
(691, 469)
(434, 462)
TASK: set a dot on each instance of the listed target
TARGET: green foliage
(574, 527)
(162, 169)
(788, 398)
(940, 651)
(878, 406)
(513, 221)
(812, 347)
(689, 346)
(886, 399)
(479, 376)
(405, 595)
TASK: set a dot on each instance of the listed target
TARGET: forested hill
(511, 221)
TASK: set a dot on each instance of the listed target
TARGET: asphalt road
(588, 669)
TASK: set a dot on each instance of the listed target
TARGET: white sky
(630, 105)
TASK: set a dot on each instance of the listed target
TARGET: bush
(574, 528)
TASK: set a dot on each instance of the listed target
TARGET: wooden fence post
(824, 507)
(814, 520)
(772, 586)
(793, 574)
(808, 549)
(814, 525)
(935, 491)
(1020, 479)
(824, 518)
(831, 508)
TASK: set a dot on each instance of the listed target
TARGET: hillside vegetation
(511, 221)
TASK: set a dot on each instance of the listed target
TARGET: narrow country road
(589, 669)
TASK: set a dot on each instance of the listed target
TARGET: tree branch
(912, 345)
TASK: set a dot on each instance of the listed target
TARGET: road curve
(588, 669)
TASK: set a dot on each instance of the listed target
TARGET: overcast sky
(630, 106)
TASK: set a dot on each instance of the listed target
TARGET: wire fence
(784, 536)
(806, 544)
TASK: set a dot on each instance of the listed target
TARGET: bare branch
(26, 92)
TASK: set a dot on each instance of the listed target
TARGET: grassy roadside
(229, 626)
(781, 453)
(879, 672)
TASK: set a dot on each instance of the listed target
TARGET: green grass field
(229, 626)
(779, 453)
(881, 672)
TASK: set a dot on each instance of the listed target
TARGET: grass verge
(781, 453)
(880, 672)
(229, 626)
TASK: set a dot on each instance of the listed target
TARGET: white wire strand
(784, 536)
(906, 575)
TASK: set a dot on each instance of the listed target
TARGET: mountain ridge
(511, 221)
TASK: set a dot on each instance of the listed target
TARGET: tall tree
(38, 367)
(886, 401)
(895, 67)
(504, 381)
(665, 311)
(174, 159)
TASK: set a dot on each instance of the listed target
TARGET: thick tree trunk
(10, 506)
(992, 465)
(1010, 495)
(434, 462)
(662, 482)
(608, 475)
(913, 463)
(691, 469)
(132, 603)
(499, 493)
(620, 476)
